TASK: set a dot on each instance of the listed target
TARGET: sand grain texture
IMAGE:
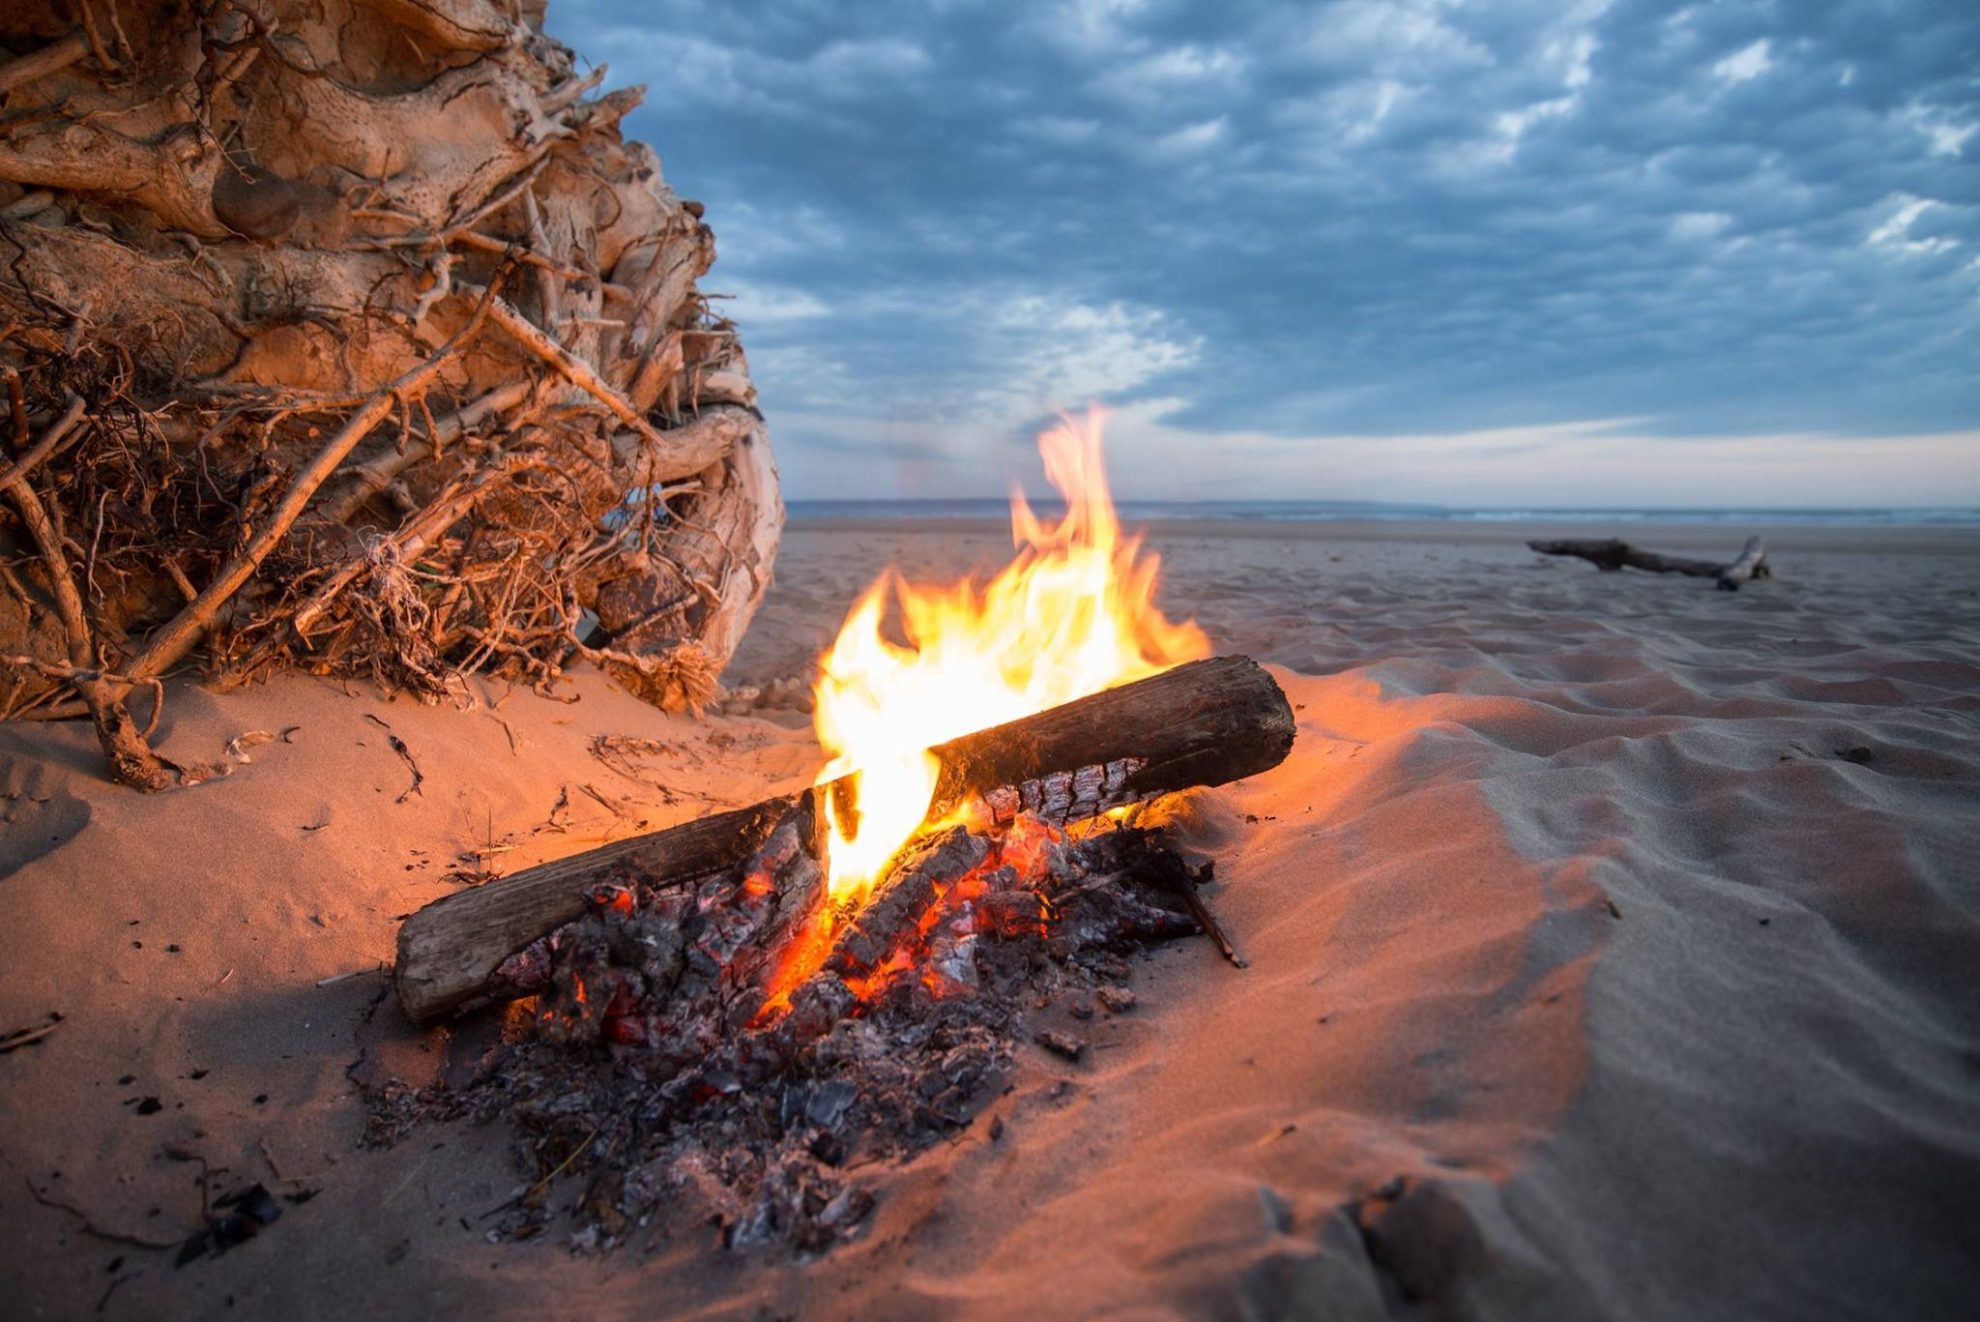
(1612, 945)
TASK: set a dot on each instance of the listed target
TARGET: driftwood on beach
(1610, 555)
(353, 336)
(1205, 723)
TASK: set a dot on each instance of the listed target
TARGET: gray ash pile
(745, 1052)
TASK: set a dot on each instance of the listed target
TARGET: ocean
(1334, 511)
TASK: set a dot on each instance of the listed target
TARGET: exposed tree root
(352, 336)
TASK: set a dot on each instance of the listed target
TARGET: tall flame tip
(1073, 613)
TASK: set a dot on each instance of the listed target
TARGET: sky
(1499, 253)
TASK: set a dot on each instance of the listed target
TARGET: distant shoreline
(863, 512)
(994, 533)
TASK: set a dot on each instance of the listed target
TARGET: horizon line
(1310, 501)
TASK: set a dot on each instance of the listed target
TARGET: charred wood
(1205, 723)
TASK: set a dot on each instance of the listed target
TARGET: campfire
(748, 1004)
(1071, 615)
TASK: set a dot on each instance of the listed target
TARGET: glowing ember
(1073, 613)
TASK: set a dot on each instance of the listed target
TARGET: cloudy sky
(1491, 252)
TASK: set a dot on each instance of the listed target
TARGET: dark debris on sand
(654, 1080)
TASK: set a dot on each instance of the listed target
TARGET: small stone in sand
(1118, 1000)
(1061, 1044)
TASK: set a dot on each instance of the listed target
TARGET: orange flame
(1073, 613)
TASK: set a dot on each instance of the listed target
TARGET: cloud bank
(1321, 250)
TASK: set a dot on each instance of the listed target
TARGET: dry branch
(130, 758)
(171, 643)
(1205, 723)
(56, 433)
(369, 479)
(571, 368)
(1611, 555)
(52, 58)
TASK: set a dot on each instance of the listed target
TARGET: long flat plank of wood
(1205, 723)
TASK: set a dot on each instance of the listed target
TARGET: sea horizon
(1339, 511)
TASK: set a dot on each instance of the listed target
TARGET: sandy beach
(1612, 945)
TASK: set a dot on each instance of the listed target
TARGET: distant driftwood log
(352, 335)
(1612, 555)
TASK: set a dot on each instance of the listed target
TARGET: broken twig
(22, 1037)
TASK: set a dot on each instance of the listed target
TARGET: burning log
(1205, 723)
(711, 1061)
(758, 1004)
(1611, 555)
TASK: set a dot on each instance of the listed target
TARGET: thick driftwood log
(1610, 555)
(389, 356)
(1205, 723)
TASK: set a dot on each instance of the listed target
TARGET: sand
(1613, 952)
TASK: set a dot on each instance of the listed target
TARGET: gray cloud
(1357, 218)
